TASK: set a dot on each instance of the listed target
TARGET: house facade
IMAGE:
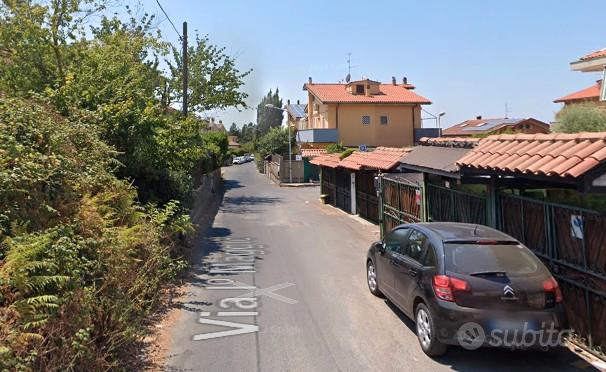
(591, 63)
(363, 112)
(481, 127)
(297, 115)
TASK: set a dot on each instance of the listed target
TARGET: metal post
(185, 69)
(289, 154)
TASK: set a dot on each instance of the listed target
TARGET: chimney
(288, 102)
(405, 80)
(298, 103)
(393, 80)
(310, 81)
(479, 117)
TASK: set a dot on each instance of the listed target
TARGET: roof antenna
(349, 67)
(475, 231)
(506, 111)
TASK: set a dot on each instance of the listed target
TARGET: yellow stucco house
(363, 112)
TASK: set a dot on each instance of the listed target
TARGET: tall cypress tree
(269, 117)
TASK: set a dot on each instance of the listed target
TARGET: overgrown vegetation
(96, 174)
(581, 117)
(334, 148)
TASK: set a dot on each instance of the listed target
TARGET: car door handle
(413, 273)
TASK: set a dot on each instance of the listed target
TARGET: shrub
(346, 153)
(83, 263)
(334, 148)
(581, 117)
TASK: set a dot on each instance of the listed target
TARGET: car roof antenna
(475, 231)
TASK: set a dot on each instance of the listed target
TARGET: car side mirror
(380, 246)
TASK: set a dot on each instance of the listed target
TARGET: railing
(318, 135)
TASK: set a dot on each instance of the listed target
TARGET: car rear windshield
(472, 258)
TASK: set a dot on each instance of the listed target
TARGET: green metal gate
(401, 201)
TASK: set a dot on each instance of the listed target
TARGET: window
(420, 249)
(508, 257)
(359, 89)
(416, 244)
(383, 120)
(366, 120)
(394, 241)
(430, 256)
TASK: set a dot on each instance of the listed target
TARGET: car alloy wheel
(427, 333)
(372, 277)
(424, 328)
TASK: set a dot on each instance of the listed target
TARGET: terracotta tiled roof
(389, 94)
(597, 54)
(560, 155)
(383, 158)
(593, 92)
(326, 160)
(485, 126)
(466, 142)
(310, 153)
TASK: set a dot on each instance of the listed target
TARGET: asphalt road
(311, 304)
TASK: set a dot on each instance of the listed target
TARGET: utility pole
(185, 69)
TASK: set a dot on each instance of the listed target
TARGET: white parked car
(238, 160)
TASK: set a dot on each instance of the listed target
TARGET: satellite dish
(348, 78)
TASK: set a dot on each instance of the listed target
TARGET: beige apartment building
(363, 112)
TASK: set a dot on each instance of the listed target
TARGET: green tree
(39, 40)
(581, 117)
(268, 117)
(214, 80)
(274, 142)
(248, 133)
(234, 130)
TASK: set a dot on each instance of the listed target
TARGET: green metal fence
(445, 204)
(572, 243)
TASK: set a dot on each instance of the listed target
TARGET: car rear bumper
(457, 325)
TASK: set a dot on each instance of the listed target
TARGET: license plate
(513, 325)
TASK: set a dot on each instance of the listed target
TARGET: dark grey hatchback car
(465, 284)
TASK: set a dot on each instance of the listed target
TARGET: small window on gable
(366, 120)
(359, 89)
(383, 119)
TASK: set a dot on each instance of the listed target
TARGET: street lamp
(439, 117)
(436, 118)
(271, 106)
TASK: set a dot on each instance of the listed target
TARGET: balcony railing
(318, 135)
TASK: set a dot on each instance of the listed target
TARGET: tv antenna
(349, 67)
(506, 110)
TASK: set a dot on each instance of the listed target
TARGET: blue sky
(469, 57)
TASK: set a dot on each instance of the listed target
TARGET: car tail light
(551, 286)
(444, 287)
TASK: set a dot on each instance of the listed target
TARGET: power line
(169, 20)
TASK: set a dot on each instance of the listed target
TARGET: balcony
(318, 135)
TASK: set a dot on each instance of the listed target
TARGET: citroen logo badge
(508, 291)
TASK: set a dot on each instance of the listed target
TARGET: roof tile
(310, 153)
(389, 94)
(326, 160)
(592, 92)
(597, 54)
(561, 154)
